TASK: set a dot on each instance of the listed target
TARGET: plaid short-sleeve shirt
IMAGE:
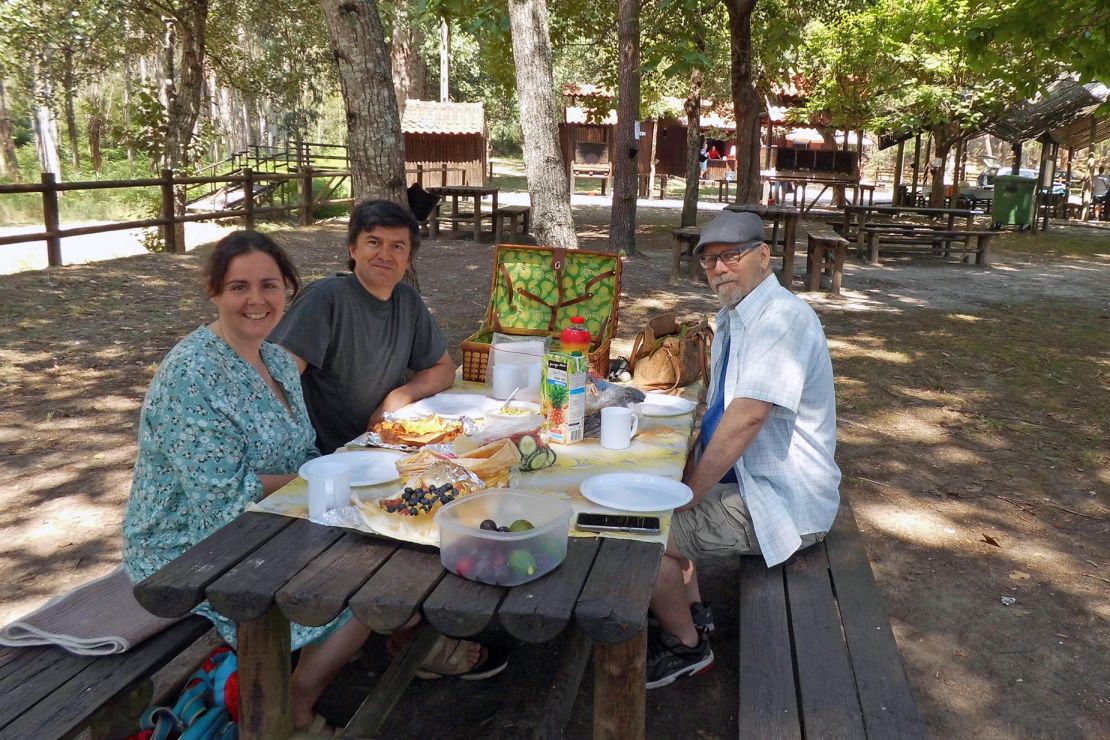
(778, 353)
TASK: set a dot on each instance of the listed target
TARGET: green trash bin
(1013, 201)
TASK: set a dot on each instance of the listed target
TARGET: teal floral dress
(209, 427)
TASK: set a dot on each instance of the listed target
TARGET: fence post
(169, 233)
(50, 219)
(306, 195)
(248, 198)
(443, 175)
(420, 174)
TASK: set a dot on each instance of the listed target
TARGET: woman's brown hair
(243, 242)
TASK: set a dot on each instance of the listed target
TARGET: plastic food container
(503, 558)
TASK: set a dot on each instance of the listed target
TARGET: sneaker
(669, 660)
(700, 613)
(703, 618)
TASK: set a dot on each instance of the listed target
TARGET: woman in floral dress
(224, 424)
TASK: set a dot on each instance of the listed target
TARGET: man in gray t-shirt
(357, 337)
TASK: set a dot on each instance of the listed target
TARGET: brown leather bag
(667, 355)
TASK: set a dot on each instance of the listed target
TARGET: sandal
(449, 658)
(318, 726)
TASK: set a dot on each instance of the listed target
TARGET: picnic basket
(534, 291)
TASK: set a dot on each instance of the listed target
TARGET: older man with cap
(765, 482)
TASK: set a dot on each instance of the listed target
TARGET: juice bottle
(576, 337)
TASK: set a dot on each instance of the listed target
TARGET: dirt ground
(973, 409)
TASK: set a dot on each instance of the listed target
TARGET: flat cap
(741, 229)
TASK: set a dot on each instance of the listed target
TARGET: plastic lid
(577, 320)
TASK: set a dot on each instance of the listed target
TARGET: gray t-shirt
(358, 349)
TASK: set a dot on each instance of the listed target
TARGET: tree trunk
(377, 149)
(9, 165)
(98, 116)
(544, 165)
(71, 112)
(653, 160)
(626, 145)
(184, 88)
(127, 112)
(745, 101)
(944, 137)
(408, 66)
(693, 145)
(45, 125)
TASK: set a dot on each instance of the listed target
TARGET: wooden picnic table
(263, 570)
(839, 185)
(863, 212)
(787, 217)
(457, 193)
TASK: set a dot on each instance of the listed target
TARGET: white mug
(329, 487)
(618, 426)
(506, 379)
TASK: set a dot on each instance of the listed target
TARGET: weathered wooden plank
(461, 608)
(620, 688)
(540, 610)
(889, 709)
(179, 586)
(246, 591)
(264, 677)
(614, 602)
(374, 711)
(768, 702)
(318, 594)
(26, 682)
(554, 695)
(69, 706)
(395, 592)
(826, 684)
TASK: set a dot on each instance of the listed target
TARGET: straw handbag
(668, 355)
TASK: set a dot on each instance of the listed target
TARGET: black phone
(587, 522)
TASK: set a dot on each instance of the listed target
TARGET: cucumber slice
(527, 445)
(530, 462)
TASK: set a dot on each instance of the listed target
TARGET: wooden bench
(928, 240)
(817, 655)
(723, 185)
(47, 692)
(515, 215)
(590, 172)
(682, 246)
(825, 254)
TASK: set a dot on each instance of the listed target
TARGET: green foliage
(905, 65)
(1072, 33)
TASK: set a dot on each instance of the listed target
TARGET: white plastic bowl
(503, 558)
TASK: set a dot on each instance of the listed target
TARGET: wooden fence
(302, 162)
(168, 218)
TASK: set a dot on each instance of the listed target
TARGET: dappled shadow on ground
(973, 412)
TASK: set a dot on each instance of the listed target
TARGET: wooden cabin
(445, 143)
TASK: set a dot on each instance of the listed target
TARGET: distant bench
(927, 239)
(515, 215)
(826, 251)
(590, 172)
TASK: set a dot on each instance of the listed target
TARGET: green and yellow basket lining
(534, 291)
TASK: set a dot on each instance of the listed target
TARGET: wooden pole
(169, 233)
(264, 677)
(1067, 184)
(50, 219)
(306, 195)
(248, 198)
(896, 195)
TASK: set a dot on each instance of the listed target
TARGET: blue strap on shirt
(716, 410)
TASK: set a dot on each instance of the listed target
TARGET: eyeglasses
(729, 257)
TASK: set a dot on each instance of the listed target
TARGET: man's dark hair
(372, 213)
(244, 242)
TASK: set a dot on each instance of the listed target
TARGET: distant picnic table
(458, 195)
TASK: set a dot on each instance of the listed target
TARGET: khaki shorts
(721, 526)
